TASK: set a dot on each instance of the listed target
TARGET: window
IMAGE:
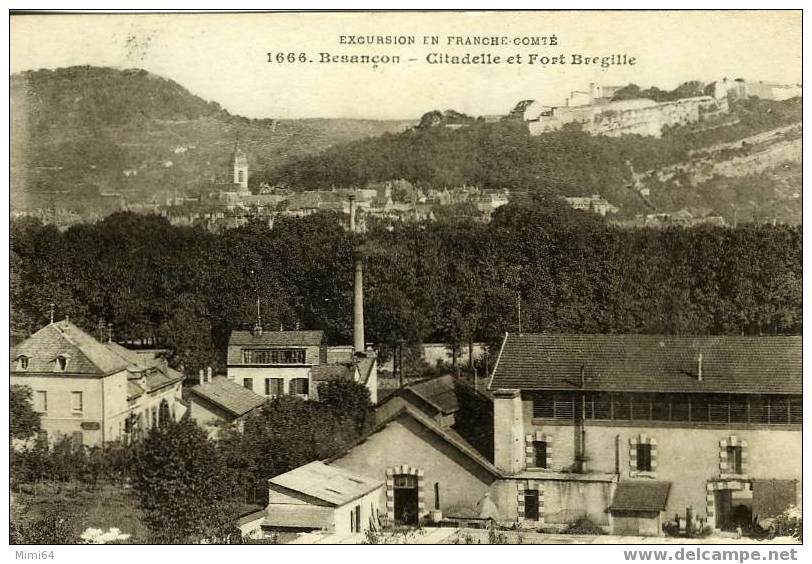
(248, 383)
(62, 363)
(540, 450)
(355, 519)
(531, 505)
(274, 387)
(621, 406)
(405, 481)
(543, 406)
(41, 401)
(299, 386)
(273, 356)
(240, 176)
(76, 403)
(23, 361)
(643, 457)
(77, 438)
(734, 459)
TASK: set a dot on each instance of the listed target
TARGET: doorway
(406, 511)
(733, 510)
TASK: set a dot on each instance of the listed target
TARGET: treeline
(187, 289)
(688, 89)
(504, 155)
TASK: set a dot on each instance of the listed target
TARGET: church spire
(239, 166)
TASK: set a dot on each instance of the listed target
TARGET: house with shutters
(91, 391)
(275, 363)
(629, 430)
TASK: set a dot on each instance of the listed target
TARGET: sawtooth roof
(228, 395)
(640, 496)
(649, 363)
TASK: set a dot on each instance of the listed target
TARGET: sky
(223, 57)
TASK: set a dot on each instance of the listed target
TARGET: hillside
(80, 131)
(742, 161)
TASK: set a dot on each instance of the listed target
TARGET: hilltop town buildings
(94, 392)
(598, 114)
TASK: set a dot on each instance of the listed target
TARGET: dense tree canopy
(435, 281)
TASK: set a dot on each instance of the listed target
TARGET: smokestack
(352, 213)
(258, 325)
(208, 374)
(358, 292)
(699, 368)
(358, 307)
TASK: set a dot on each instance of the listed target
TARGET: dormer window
(62, 363)
(22, 362)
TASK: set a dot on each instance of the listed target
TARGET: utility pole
(519, 303)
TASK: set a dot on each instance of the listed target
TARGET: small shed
(321, 497)
(637, 508)
(221, 400)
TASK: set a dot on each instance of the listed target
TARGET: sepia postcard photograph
(406, 277)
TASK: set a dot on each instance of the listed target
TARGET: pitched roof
(277, 338)
(397, 406)
(649, 363)
(640, 496)
(439, 392)
(337, 371)
(133, 390)
(365, 366)
(153, 369)
(330, 484)
(85, 354)
(228, 395)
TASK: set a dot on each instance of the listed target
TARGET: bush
(56, 528)
(789, 524)
(584, 526)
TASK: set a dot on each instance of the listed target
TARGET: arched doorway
(406, 512)
(404, 495)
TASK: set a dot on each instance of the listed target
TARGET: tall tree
(184, 487)
(25, 422)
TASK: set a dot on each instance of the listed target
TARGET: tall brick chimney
(358, 291)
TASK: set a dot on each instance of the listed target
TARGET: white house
(317, 497)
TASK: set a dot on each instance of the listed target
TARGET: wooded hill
(75, 131)
(567, 162)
